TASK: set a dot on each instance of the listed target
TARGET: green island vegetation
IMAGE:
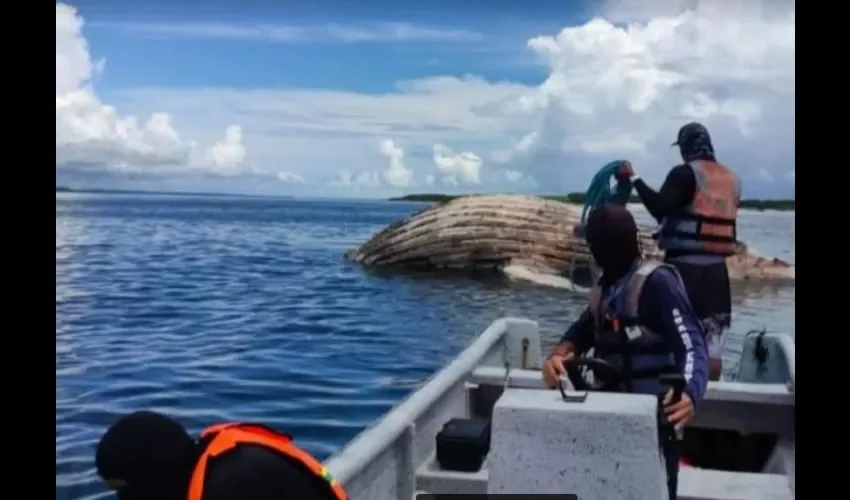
(578, 199)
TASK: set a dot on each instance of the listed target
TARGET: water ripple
(227, 308)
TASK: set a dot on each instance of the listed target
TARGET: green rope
(598, 194)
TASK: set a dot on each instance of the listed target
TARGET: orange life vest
(709, 224)
(224, 437)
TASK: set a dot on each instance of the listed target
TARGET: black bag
(463, 444)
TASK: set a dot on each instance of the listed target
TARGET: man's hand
(553, 368)
(680, 413)
(625, 171)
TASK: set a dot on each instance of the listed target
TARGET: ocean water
(235, 308)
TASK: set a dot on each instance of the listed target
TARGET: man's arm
(676, 192)
(579, 336)
(664, 306)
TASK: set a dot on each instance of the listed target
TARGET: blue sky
(458, 42)
(381, 98)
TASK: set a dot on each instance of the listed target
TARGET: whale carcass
(502, 232)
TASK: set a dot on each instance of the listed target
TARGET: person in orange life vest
(149, 456)
(697, 207)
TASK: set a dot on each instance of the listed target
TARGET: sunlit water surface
(228, 308)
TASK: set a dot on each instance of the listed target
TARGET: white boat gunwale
(385, 460)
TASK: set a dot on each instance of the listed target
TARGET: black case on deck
(463, 444)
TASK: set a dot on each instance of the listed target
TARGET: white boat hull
(394, 459)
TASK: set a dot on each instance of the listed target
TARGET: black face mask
(612, 236)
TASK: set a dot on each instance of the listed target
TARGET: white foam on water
(520, 272)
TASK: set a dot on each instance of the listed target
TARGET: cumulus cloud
(618, 90)
(92, 133)
(513, 175)
(317, 133)
(291, 178)
(630, 11)
(619, 85)
(226, 156)
(516, 150)
(465, 167)
(396, 174)
(346, 178)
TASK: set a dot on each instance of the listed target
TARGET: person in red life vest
(697, 207)
(149, 456)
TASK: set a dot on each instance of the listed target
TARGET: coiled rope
(597, 194)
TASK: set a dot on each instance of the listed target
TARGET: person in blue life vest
(697, 208)
(640, 320)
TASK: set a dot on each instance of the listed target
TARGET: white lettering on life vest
(686, 341)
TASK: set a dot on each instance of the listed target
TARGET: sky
(372, 99)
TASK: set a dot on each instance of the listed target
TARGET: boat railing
(384, 457)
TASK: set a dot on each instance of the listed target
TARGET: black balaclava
(694, 143)
(612, 236)
(149, 452)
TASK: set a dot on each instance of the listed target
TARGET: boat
(603, 446)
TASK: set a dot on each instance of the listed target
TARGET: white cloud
(513, 175)
(464, 166)
(92, 133)
(613, 90)
(226, 156)
(630, 11)
(345, 178)
(290, 177)
(518, 149)
(616, 90)
(286, 33)
(519, 181)
(396, 175)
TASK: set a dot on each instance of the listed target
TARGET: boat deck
(535, 451)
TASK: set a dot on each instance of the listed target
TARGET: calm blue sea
(236, 308)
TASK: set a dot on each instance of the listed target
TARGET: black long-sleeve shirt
(675, 194)
(664, 307)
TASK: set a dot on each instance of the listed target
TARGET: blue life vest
(708, 224)
(620, 338)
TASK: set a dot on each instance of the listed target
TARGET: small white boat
(603, 448)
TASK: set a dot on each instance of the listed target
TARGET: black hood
(612, 236)
(151, 453)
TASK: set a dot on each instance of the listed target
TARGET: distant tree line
(578, 198)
